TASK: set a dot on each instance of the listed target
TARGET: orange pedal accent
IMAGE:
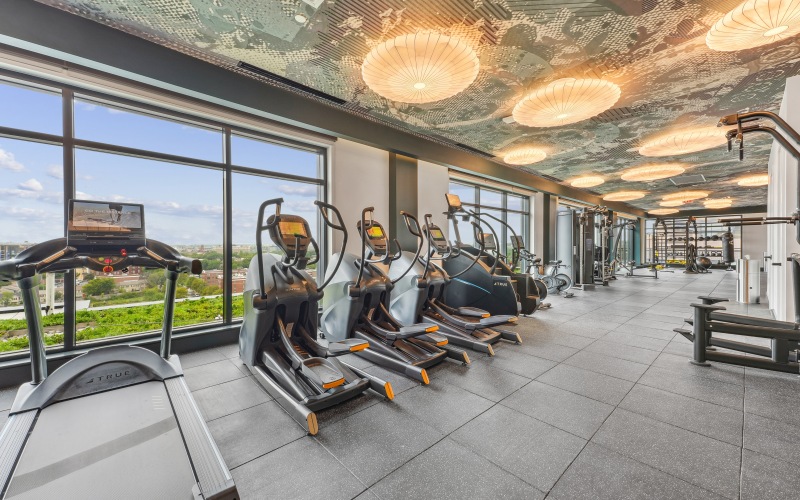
(431, 329)
(331, 385)
(359, 347)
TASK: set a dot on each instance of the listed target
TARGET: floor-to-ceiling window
(201, 182)
(511, 208)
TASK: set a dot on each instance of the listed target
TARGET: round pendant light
(755, 23)
(672, 203)
(681, 143)
(647, 173)
(625, 196)
(685, 196)
(566, 101)
(754, 180)
(421, 67)
(718, 203)
(524, 156)
(586, 181)
(664, 211)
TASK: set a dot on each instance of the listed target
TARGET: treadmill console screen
(376, 232)
(436, 233)
(453, 201)
(293, 229)
(99, 225)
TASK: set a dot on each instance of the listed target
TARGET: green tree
(182, 292)
(7, 297)
(99, 286)
(88, 277)
(59, 296)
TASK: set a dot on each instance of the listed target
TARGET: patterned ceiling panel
(654, 50)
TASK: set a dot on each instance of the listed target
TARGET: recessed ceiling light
(680, 143)
(755, 23)
(587, 181)
(672, 203)
(754, 180)
(300, 18)
(421, 67)
(664, 211)
(685, 196)
(652, 172)
(524, 156)
(566, 101)
(624, 196)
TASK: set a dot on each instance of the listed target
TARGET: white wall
(782, 201)
(754, 239)
(433, 182)
(359, 177)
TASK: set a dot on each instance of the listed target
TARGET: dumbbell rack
(707, 227)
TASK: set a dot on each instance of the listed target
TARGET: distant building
(217, 278)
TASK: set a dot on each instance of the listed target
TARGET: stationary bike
(558, 283)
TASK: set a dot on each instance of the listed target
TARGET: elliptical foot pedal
(322, 372)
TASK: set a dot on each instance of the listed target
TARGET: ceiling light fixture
(681, 143)
(566, 101)
(625, 196)
(647, 173)
(587, 181)
(524, 156)
(755, 23)
(664, 211)
(718, 203)
(421, 67)
(300, 18)
(754, 180)
(672, 203)
(685, 196)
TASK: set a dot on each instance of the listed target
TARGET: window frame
(69, 144)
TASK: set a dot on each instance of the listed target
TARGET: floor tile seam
(705, 378)
(267, 453)
(636, 346)
(541, 421)
(634, 382)
(679, 394)
(576, 393)
(241, 410)
(608, 356)
(316, 440)
(410, 459)
(590, 437)
(690, 483)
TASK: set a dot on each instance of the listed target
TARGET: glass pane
(465, 230)
(497, 226)
(120, 126)
(491, 198)
(30, 108)
(264, 155)
(514, 202)
(515, 221)
(31, 201)
(249, 192)
(464, 191)
(183, 208)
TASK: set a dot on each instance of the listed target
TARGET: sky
(183, 204)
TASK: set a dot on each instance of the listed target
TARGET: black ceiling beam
(83, 40)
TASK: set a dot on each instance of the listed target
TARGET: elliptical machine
(358, 302)
(418, 296)
(472, 272)
(278, 338)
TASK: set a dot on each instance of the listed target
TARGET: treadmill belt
(122, 444)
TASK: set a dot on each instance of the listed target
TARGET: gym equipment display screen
(293, 228)
(437, 234)
(453, 201)
(376, 233)
(488, 241)
(95, 225)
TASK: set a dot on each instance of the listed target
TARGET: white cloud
(301, 206)
(31, 185)
(46, 196)
(55, 171)
(307, 190)
(8, 162)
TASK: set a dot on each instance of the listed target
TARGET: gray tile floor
(598, 402)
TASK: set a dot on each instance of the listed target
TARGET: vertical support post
(403, 194)
(68, 155)
(700, 325)
(29, 287)
(227, 231)
(170, 287)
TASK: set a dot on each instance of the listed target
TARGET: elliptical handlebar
(260, 228)
(455, 252)
(477, 223)
(339, 226)
(416, 230)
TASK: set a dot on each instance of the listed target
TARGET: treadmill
(116, 422)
